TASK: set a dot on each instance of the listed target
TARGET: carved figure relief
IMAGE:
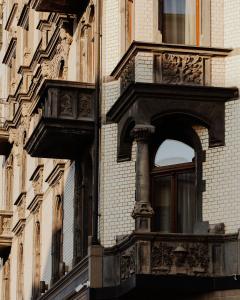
(5, 225)
(66, 108)
(85, 105)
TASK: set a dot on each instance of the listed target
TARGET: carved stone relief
(128, 263)
(5, 225)
(66, 105)
(37, 182)
(51, 69)
(182, 69)
(128, 75)
(173, 258)
(85, 105)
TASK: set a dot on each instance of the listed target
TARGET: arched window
(174, 187)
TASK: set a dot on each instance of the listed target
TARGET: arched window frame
(187, 135)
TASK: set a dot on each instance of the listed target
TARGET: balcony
(167, 64)
(5, 232)
(66, 123)
(60, 6)
(159, 81)
(170, 263)
(5, 146)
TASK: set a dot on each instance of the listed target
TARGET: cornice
(10, 50)
(56, 174)
(20, 199)
(35, 173)
(18, 228)
(23, 16)
(11, 16)
(35, 204)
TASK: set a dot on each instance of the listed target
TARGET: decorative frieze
(180, 258)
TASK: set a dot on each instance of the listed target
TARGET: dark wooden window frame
(183, 132)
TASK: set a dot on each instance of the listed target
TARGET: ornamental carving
(142, 209)
(66, 106)
(85, 105)
(37, 182)
(182, 69)
(162, 257)
(5, 225)
(173, 258)
(128, 263)
(142, 132)
(128, 75)
(52, 69)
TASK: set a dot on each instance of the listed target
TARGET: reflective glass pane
(179, 21)
(173, 152)
(185, 202)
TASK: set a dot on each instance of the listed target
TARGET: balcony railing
(167, 64)
(210, 255)
(5, 231)
(67, 120)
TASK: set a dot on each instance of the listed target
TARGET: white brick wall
(68, 201)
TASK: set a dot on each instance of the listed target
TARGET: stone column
(143, 211)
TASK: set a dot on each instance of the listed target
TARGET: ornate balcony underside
(152, 103)
(61, 6)
(67, 121)
(5, 232)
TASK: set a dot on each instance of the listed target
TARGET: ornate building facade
(119, 149)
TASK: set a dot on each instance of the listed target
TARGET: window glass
(173, 152)
(181, 21)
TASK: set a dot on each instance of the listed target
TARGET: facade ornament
(51, 69)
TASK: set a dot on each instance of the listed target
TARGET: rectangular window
(180, 21)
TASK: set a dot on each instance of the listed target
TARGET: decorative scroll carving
(127, 263)
(172, 258)
(182, 69)
(51, 69)
(128, 75)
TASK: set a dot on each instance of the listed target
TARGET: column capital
(142, 132)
